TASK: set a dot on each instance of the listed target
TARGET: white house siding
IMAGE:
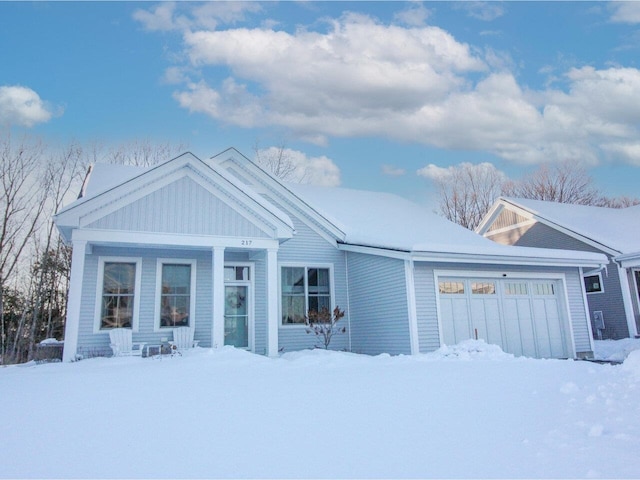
(90, 343)
(610, 302)
(378, 305)
(182, 207)
(426, 295)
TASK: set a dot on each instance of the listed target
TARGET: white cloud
(480, 170)
(393, 171)
(414, 84)
(485, 11)
(167, 16)
(22, 106)
(320, 171)
(625, 12)
(414, 15)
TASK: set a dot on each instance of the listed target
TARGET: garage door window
(451, 287)
(483, 288)
(515, 288)
(543, 288)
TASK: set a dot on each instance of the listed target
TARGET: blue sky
(366, 94)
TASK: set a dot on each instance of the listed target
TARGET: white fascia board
(490, 217)
(131, 238)
(273, 185)
(549, 223)
(382, 252)
(593, 260)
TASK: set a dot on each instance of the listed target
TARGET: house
(225, 248)
(613, 292)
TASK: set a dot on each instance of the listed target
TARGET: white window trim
(599, 275)
(100, 285)
(252, 304)
(306, 266)
(158, 297)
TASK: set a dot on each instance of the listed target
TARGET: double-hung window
(304, 290)
(117, 295)
(175, 293)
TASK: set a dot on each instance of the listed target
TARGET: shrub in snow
(323, 324)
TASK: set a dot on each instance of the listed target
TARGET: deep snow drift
(469, 411)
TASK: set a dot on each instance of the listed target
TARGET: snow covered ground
(469, 411)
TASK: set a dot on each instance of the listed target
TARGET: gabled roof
(110, 183)
(616, 229)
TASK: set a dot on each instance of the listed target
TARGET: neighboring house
(613, 293)
(225, 248)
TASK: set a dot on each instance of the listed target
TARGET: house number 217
(246, 242)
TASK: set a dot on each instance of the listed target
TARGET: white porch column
(218, 298)
(272, 302)
(73, 303)
(627, 293)
(411, 306)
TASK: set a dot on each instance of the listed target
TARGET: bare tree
(563, 183)
(279, 161)
(617, 202)
(467, 191)
(141, 153)
(25, 188)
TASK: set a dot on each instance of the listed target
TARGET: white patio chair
(183, 338)
(122, 342)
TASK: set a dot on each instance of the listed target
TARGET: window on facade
(118, 295)
(304, 289)
(593, 283)
(175, 296)
(236, 273)
(483, 288)
(450, 287)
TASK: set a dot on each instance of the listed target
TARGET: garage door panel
(461, 326)
(512, 327)
(485, 317)
(454, 319)
(548, 331)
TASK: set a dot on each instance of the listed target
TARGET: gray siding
(308, 248)
(426, 299)
(181, 207)
(378, 303)
(426, 309)
(90, 343)
(611, 304)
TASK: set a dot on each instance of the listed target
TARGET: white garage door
(522, 316)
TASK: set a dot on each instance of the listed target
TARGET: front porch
(227, 291)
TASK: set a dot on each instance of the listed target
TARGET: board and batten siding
(506, 219)
(426, 295)
(91, 344)
(378, 304)
(182, 207)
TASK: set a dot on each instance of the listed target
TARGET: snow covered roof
(384, 220)
(615, 228)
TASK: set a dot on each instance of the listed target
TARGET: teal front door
(236, 315)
